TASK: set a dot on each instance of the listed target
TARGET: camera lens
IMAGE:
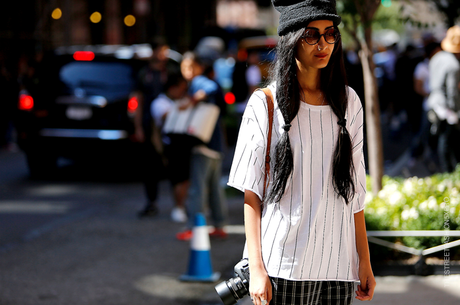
(225, 293)
(232, 290)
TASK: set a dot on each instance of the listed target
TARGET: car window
(110, 79)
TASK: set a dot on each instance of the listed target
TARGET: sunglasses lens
(311, 36)
(331, 35)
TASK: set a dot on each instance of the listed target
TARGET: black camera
(236, 287)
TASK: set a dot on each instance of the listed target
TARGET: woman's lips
(321, 55)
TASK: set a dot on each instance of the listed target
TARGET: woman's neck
(309, 78)
(309, 81)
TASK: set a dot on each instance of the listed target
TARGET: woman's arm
(419, 88)
(366, 288)
(259, 284)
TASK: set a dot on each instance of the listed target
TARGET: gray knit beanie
(297, 14)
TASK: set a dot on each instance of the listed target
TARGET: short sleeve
(202, 83)
(159, 108)
(356, 127)
(421, 71)
(248, 165)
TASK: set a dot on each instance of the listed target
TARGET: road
(76, 239)
(31, 207)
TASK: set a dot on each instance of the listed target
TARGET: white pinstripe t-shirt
(310, 233)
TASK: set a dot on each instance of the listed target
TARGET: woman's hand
(185, 103)
(199, 96)
(260, 287)
(365, 290)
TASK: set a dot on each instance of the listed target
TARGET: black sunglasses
(312, 35)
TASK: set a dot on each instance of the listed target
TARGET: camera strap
(270, 106)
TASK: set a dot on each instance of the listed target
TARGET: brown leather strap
(270, 107)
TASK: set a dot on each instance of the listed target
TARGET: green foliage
(385, 18)
(389, 18)
(431, 203)
(350, 22)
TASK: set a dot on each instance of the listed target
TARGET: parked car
(79, 103)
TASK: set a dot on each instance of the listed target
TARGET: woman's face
(315, 56)
(190, 68)
(186, 68)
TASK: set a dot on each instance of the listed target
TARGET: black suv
(80, 103)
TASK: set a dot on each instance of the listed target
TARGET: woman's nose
(322, 42)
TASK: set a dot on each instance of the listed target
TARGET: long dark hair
(333, 84)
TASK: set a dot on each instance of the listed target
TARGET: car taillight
(229, 98)
(132, 104)
(83, 55)
(26, 102)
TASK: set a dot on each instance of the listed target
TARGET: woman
(306, 240)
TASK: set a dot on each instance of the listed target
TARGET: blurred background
(222, 30)
(31, 29)
(77, 80)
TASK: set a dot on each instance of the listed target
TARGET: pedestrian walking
(206, 160)
(422, 143)
(151, 79)
(444, 98)
(176, 147)
(305, 232)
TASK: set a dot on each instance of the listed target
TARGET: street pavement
(109, 256)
